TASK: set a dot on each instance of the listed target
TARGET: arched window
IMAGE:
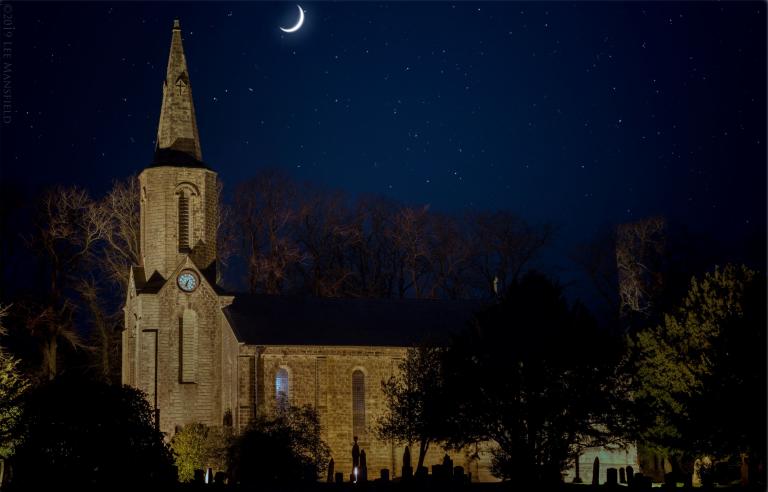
(281, 389)
(188, 355)
(184, 218)
(358, 404)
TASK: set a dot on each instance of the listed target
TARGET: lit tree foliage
(639, 249)
(701, 373)
(13, 386)
(198, 447)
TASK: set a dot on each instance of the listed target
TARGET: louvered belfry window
(183, 221)
(281, 389)
(358, 404)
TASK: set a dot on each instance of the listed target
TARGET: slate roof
(295, 320)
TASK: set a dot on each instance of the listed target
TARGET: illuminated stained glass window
(281, 389)
(358, 404)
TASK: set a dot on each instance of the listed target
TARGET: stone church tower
(173, 339)
(178, 192)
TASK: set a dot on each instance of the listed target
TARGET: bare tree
(639, 251)
(503, 246)
(265, 208)
(449, 254)
(409, 236)
(49, 325)
(597, 259)
(226, 233)
(67, 229)
(119, 216)
(371, 255)
(105, 330)
(326, 234)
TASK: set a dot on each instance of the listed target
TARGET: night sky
(581, 114)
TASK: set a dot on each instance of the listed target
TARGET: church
(209, 356)
(205, 355)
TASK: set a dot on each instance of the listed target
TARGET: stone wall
(321, 376)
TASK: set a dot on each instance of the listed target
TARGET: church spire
(178, 142)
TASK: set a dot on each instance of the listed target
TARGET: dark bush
(283, 447)
(84, 434)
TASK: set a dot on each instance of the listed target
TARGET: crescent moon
(298, 24)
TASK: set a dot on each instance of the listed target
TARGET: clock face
(187, 281)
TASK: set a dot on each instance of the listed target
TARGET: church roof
(296, 320)
(178, 141)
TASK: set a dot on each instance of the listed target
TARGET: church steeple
(178, 142)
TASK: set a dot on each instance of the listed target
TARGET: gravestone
(458, 473)
(384, 475)
(355, 453)
(407, 469)
(339, 477)
(611, 477)
(622, 475)
(641, 482)
(744, 470)
(198, 476)
(630, 474)
(447, 466)
(220, 478)
(362, 475)
(596, 471)
(331, 465)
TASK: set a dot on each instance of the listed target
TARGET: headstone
(622, 475)
(209, 476)
(670, 480)
(220, 478)
(697, 473)
(422, 472)
(407, 469)
(362, 475)
(198, 476)
(611, 476)
(458, 473)
(355, 453)
(384, 475)
(437, 472)
(596, 471)
(630, 474)
(641, 482)
(339, 477)
(331, 465)
(744, 470)
(447, 466)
